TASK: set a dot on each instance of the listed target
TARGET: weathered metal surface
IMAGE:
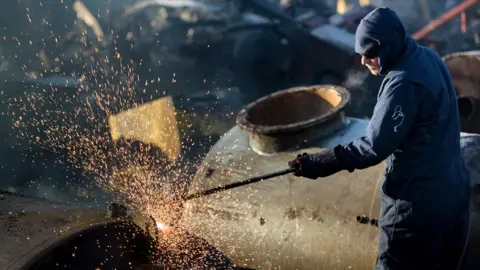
(465, 70)
(31, 225)
(40, 234)
(294, 223)
(288, 222)
(275, 122)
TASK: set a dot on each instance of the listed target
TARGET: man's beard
(374, 70)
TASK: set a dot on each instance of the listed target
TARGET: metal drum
(463, 66)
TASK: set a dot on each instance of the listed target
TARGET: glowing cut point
(161, 226)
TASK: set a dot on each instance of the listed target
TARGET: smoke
(356, 79)
(363, 89)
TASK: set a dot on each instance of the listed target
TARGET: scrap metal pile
(190, 46)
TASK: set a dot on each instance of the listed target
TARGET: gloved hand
(322, 164)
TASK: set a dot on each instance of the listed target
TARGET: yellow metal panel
(154, 122)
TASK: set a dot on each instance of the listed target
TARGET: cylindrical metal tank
(32, 228)
(463, 66)
(290, 222)
(38, 234)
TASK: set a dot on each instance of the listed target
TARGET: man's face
(372, 65)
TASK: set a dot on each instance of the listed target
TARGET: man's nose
(364, 60)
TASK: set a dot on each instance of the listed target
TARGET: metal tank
(35, 230)
(290, 222)
(463, 66)
(41, 234)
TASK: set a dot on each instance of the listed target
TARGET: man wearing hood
(425, 191)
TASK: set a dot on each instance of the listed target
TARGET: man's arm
(392, 119)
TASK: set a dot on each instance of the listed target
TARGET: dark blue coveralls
(425, 190)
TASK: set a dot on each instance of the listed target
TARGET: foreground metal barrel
(289, 222)
(40, 234)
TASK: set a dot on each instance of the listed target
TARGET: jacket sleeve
(394, 114)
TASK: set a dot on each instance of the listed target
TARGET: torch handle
(239, 183)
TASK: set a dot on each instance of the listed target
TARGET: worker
(425, 190)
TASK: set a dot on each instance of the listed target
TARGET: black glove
(322, 164)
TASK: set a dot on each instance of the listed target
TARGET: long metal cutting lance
(239, 183)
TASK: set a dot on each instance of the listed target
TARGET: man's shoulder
(429, 52)
(424, 67)
(395, 81)
(397, 78)
(423, 61)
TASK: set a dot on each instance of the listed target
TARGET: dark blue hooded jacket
(415, 125)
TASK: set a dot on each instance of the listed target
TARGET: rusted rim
(455, 55)
(243, 123)
(457, 61)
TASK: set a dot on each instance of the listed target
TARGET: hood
(382, 34)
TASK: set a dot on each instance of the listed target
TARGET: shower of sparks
(73, 121)
(75, 124)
